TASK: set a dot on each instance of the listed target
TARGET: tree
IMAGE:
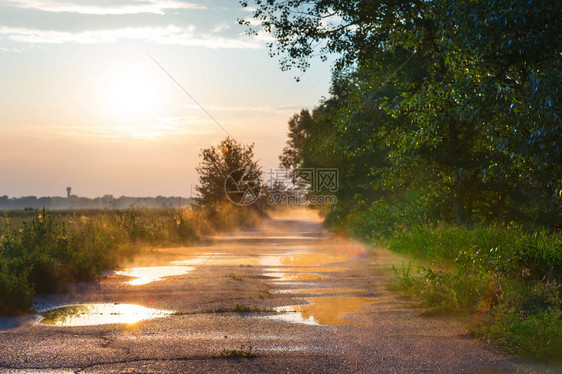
(291, 158)
(229, 158)
(465, 94)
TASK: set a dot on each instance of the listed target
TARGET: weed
(242, 352)
(235, 277)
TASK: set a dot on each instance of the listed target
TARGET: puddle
(294, 276)
(288, 259)
(312, 269)
(328, 310)
(326, 290)
(144, 275)
(295, 266)
(304, 259)
(99, 314)
(11, 322)
(265, 238)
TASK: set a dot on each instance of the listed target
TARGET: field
(40, 250)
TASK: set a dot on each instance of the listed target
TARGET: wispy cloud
(171, 35)
(164, 128)
(128, 7)
(221, 27)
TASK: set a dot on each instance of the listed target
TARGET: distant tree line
(104, 202)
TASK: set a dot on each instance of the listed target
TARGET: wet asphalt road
(310, 303)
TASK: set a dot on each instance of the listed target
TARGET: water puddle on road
(281, 276)
(295, 265)
(99, 314)
(311, 269)
(326, 290)
(304, 259)
(144, 275)
(328, 310)
(287, 259)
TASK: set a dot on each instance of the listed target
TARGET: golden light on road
(133, 92)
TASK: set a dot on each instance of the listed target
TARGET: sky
(89, 97)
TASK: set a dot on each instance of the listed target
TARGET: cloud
(128, 7)
(221, 27)
(169, 35)
(163, 128)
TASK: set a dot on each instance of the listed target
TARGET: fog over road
(301, 299)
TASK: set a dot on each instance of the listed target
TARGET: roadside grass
(41, 250)
(504, 278)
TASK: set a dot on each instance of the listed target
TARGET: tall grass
(41, 250)
(505, 276)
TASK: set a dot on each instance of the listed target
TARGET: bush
(16, 294)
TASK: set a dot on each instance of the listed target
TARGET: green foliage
(508, 251)
(527, 319)
(290, 157)
(469, 113)
(442, 291)
(506, 276)
(16, 294)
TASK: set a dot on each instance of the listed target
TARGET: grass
(41, 250)
(242, 352)
(504, 277)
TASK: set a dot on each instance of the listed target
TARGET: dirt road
(285, 291)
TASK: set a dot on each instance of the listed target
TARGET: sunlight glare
(133, 93)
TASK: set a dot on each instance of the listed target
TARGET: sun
(132, 93)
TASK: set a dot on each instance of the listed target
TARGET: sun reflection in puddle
(99, 314)
(144, 275)
(328, 310)
(307, 259)
(326, 290)
(281, 276)
(287, 259)
(310, 269)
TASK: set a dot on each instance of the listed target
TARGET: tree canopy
(457, 102)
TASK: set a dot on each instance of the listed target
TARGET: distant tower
(68, 189)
